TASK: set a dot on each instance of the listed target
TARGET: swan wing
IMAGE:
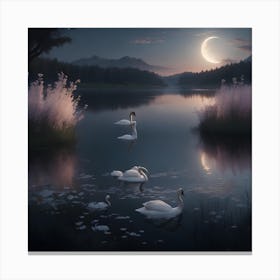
(116, 173)
(131, 173)
(157, 205)
(123, 122)
(97, 205)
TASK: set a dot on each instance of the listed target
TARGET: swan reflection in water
(137, 187)
(167, 224)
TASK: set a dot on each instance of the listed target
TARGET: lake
(215, 175)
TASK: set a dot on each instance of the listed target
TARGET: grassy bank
(53, 113)
(231, 114)
(231, 124)
(42, 136)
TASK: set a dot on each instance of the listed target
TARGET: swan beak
(183, 193)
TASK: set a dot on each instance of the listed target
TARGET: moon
(204, 50)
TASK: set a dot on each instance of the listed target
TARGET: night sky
(178, 49)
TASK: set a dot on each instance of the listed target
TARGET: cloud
(147, 41)
(228, 61)
(247, 48)
(205, 34)
(243, 44)
(239, 40)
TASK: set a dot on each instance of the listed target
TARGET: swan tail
(126, 137)
(116, 173)
(140, 210)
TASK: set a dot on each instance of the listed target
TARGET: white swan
(132, 136)
(100, 206)
(158, 209)
(136, 174)
(127, 122)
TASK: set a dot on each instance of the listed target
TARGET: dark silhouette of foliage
(214, 77)
(92, 74)
(42, 40)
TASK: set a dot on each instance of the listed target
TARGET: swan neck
(143, 174)
(108, 201)
(181, 201)
(131, 117)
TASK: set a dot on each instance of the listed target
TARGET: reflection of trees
(197, 92)
(227, 152)
(56, 168)
(102, 99)
(99, 100)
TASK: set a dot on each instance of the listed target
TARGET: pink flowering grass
(231, 112)
(53, 112)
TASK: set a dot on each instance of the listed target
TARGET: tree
(42, 40)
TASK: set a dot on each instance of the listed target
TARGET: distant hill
(92, 74)
(123, 62)
(214, 77)
(173, 80)
(132, 75)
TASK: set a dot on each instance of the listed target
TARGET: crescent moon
(204, 50)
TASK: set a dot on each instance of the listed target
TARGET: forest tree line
(132, 76)
(215, 76)
(92, 74)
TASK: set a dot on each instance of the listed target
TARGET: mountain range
(123, 62)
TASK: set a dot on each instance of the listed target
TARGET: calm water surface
(215, 176)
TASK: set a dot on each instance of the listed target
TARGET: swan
(158, 209)
(127, 122)
(136, 174)
(100, 206)
(132, 136)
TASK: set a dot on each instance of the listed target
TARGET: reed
(231, 112)
(53, 112)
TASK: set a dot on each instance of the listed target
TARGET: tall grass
(231, 112)
(53, 112)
